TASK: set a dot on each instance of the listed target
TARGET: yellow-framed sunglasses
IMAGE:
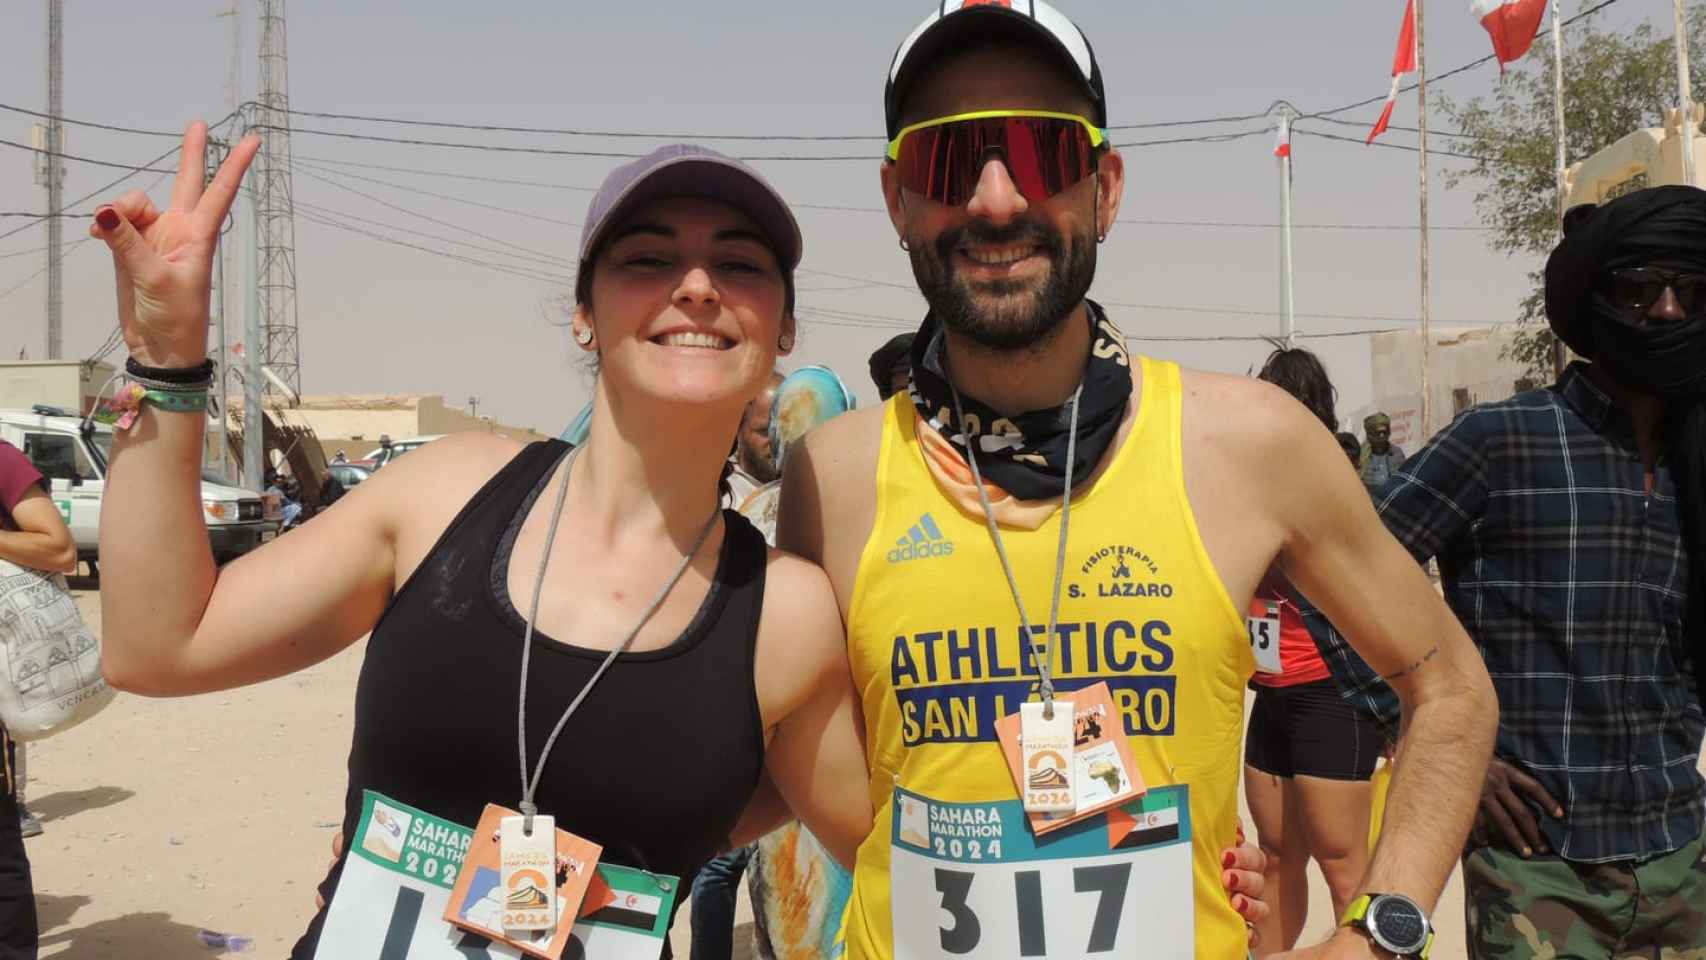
(1044, 151)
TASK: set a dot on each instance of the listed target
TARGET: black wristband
(200, 373)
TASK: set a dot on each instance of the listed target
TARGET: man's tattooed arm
(1412, 668)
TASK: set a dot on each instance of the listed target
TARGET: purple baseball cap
(686, 170)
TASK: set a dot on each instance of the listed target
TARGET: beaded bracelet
(199, 373)
(167, 386)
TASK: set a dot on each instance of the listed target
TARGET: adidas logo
(922, 541)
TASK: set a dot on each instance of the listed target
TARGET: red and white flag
(1512, 25)
(1282, 146)
(1403, 62)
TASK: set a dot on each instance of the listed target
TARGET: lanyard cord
(528, 787)
(1045, 663)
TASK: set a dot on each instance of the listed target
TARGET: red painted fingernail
(1227, 859)
(107, 217)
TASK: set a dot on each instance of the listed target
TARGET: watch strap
(1356, 915)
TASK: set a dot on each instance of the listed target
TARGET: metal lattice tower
(277, 212)
(50, 173)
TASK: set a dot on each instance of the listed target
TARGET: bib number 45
(1106, 882)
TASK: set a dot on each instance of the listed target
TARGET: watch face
(1398, 924)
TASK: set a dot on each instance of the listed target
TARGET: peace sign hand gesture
(164, 258)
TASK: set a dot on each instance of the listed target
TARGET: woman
(735, 672)
(1309, 755)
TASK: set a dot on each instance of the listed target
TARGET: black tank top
(656, 765)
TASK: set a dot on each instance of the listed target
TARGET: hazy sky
(378, 317)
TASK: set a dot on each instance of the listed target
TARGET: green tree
(1614, 84)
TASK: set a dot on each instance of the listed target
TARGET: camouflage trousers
(1547, 908)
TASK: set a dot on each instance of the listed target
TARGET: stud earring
(583, 336)
(785, 343)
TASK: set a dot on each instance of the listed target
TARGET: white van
(75, 467)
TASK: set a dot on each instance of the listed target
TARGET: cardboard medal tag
(1045, 757)
(520, 890)
(529, 860)
(1264, 622)
(1103, 772)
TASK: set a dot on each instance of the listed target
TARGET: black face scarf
(1026, 454)
(1664, 227)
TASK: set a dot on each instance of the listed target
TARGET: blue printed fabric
(1570, 576)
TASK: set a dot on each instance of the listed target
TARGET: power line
(471, 261)
(1240, 312)
(566, 132)
(412, 213)
(99, 190)
(1412, 149)
(89, 123)
(22, 253)
(1393, 126)
(1251, 338)
(131, 171)
(98, 163)
(837, 208)
(21, 284)
(475, 178)
(440, 196)
(543, 258)
(621, 155)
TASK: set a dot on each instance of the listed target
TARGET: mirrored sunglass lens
(1635, 289)
(1043, 156)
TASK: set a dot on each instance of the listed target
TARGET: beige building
(67, 384)
(1467, 367)
(354, 423)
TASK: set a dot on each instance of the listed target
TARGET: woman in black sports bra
(500, 581)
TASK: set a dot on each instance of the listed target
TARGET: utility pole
(50, 173)
(278, 348)
(254, 448)
(224, 266)
(1288, 307)
(216, 317)
(1685, 95)
(1422, 142)
(474, 407)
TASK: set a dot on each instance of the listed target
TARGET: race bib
(969, 879)
(397, 880)
(1264, 621)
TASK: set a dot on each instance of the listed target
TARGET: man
(1379, 457)
(331, 490)
(1000, 184)
(891, 366)
(753, 465)
(1570, 528)
(34, 535)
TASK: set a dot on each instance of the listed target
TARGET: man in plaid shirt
(1565, 521)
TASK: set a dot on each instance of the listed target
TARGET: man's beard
(1026, 317)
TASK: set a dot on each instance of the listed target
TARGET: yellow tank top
(950, 868)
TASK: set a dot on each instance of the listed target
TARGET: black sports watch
(1393, 921)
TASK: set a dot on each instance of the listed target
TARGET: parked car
(350, 474)
(74, 463)
(385, 453)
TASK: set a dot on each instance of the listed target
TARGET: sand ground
(168, 817)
